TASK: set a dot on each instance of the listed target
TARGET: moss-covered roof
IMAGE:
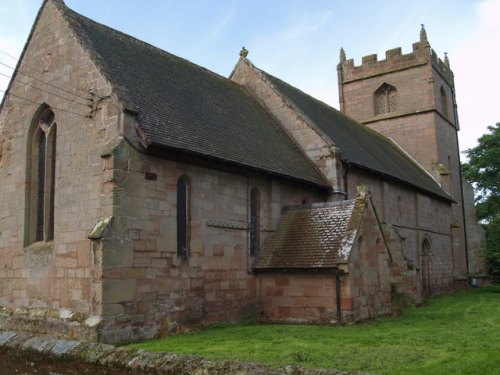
(183, 107)
(317, 236)
(360, 145)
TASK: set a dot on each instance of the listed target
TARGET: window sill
(40, 246)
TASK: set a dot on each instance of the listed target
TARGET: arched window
(386, 99)
(444, 102)
(183, 216)
(254, 221)
(41, 178)
(426, 266)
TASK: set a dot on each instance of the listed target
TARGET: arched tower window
(386, 99)
(444, 101)
(183, 219)
(254, 221)
(41, 178)
(426, 266)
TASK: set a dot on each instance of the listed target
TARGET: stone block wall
(366, 288)
(425, 123)
(60, 275)
(148, 289)
(358, 93)
(408, 218)
(298, 297)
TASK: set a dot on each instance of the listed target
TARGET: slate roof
(317, 236)
(360, 145)
(183, 107)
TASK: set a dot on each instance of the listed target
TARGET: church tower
(410, 98)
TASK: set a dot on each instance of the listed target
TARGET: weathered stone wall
(359, 83)
(409, 217)
(366, 289)
(423, 125)
(298, 297)
(311, 297)
(147, 288)
(129, 273)
(60, 275)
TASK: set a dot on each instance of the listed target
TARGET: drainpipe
(455, 115)
(344, 177)
(337, 294)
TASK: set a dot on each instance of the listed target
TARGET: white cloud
(476, 66)
(287, 52)
(276, 47)
(221, 25)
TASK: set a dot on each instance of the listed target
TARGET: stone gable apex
(310, 139)
(62, 10)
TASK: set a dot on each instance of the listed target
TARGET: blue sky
(299, 40)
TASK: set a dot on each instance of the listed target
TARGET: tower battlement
(395, 60)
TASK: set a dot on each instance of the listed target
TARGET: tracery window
(254, 221)
(386, 99)
(183, 219)
(41, 178)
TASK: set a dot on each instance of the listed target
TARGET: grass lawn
(452, 334)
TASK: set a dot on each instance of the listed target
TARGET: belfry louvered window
(41, 178)
(183, 216)
(386, 99)
(444, 102)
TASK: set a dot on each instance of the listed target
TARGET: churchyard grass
(450, 334)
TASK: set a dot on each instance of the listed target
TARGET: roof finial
(423, 34)
(342, 55)
(446, 60)
(243, 52)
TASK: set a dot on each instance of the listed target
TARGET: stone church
(141, 193)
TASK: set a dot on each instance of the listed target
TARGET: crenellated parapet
(443, 67)
(395, 60)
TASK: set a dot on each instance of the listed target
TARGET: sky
(299, 40)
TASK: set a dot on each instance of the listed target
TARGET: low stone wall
(61, 323)
(139, 360)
